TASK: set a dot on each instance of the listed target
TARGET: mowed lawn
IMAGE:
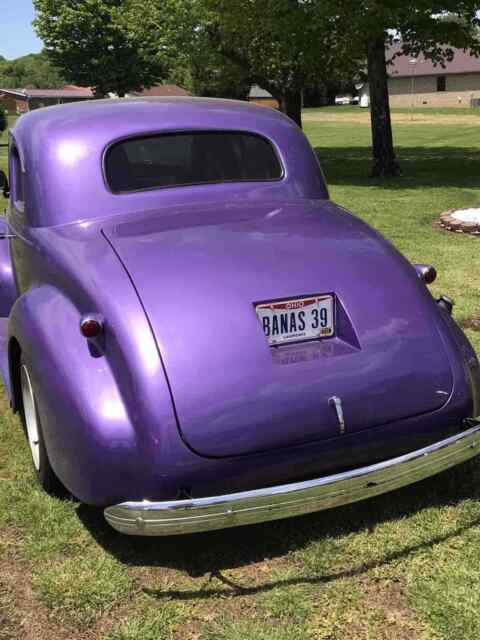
(401, 566)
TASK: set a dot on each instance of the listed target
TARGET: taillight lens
(91, 327)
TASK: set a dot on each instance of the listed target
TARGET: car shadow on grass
(210, 554)
(421, 167)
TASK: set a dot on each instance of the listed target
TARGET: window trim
(173, 132)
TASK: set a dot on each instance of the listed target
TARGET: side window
(16, 181)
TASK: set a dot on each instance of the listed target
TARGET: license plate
(297, 320)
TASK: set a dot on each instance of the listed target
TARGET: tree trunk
(384, 161)
(291, 105)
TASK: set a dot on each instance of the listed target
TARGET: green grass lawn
(401, 566)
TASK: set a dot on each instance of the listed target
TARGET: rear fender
(468, 358)
(87, 428)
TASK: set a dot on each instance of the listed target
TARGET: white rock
(467, 215)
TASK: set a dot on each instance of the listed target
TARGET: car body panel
(199, 273)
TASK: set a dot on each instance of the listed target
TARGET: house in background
(262, 97)
(417, 82)
(160, 91)
(24, 100)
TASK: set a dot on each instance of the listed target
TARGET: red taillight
(91, 327)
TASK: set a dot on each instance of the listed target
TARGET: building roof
(75, 87)
(463, 62)
(162, 91)
(257, 92)
(79, 92)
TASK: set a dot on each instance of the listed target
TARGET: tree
(285, 45)
(192, 61)
(213, 75)
(31, 71)
(427, 27)
(282, 45)
(94, 44)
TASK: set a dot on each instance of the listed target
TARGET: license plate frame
(302, 328)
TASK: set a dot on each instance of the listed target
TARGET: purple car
(197, 337)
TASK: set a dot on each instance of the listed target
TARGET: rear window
(176, 159)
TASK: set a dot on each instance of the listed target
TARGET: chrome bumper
(219, 512)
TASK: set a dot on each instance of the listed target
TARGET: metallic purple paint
(207, 330)
(182, 392)
(62, 152)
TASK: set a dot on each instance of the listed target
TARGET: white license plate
(297, 320)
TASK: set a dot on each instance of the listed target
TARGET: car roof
(177, 110)
(61, 147)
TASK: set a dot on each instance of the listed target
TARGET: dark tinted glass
(189, 158)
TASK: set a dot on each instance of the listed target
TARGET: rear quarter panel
(106, 415)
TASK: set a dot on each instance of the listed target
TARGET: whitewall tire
(33, 430)
(30, 416)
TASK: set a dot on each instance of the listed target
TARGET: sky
(17, 36)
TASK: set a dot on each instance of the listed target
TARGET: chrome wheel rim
(30, 413)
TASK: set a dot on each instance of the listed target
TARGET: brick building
(417, 82)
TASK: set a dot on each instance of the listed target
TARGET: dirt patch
(21, 615)
(363, 117)
(386, 614)
(473, 323)
(9, 620)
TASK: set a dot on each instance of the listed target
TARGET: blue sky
(17, 36)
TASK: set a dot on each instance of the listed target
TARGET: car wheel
(33, 430)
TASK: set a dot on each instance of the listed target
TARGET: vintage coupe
(197, 337)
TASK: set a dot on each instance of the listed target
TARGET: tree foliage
(94, 44)
(282, 45)
(213, 75)
(190, 59)
(31, 71)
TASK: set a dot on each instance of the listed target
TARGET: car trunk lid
(199, 273)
